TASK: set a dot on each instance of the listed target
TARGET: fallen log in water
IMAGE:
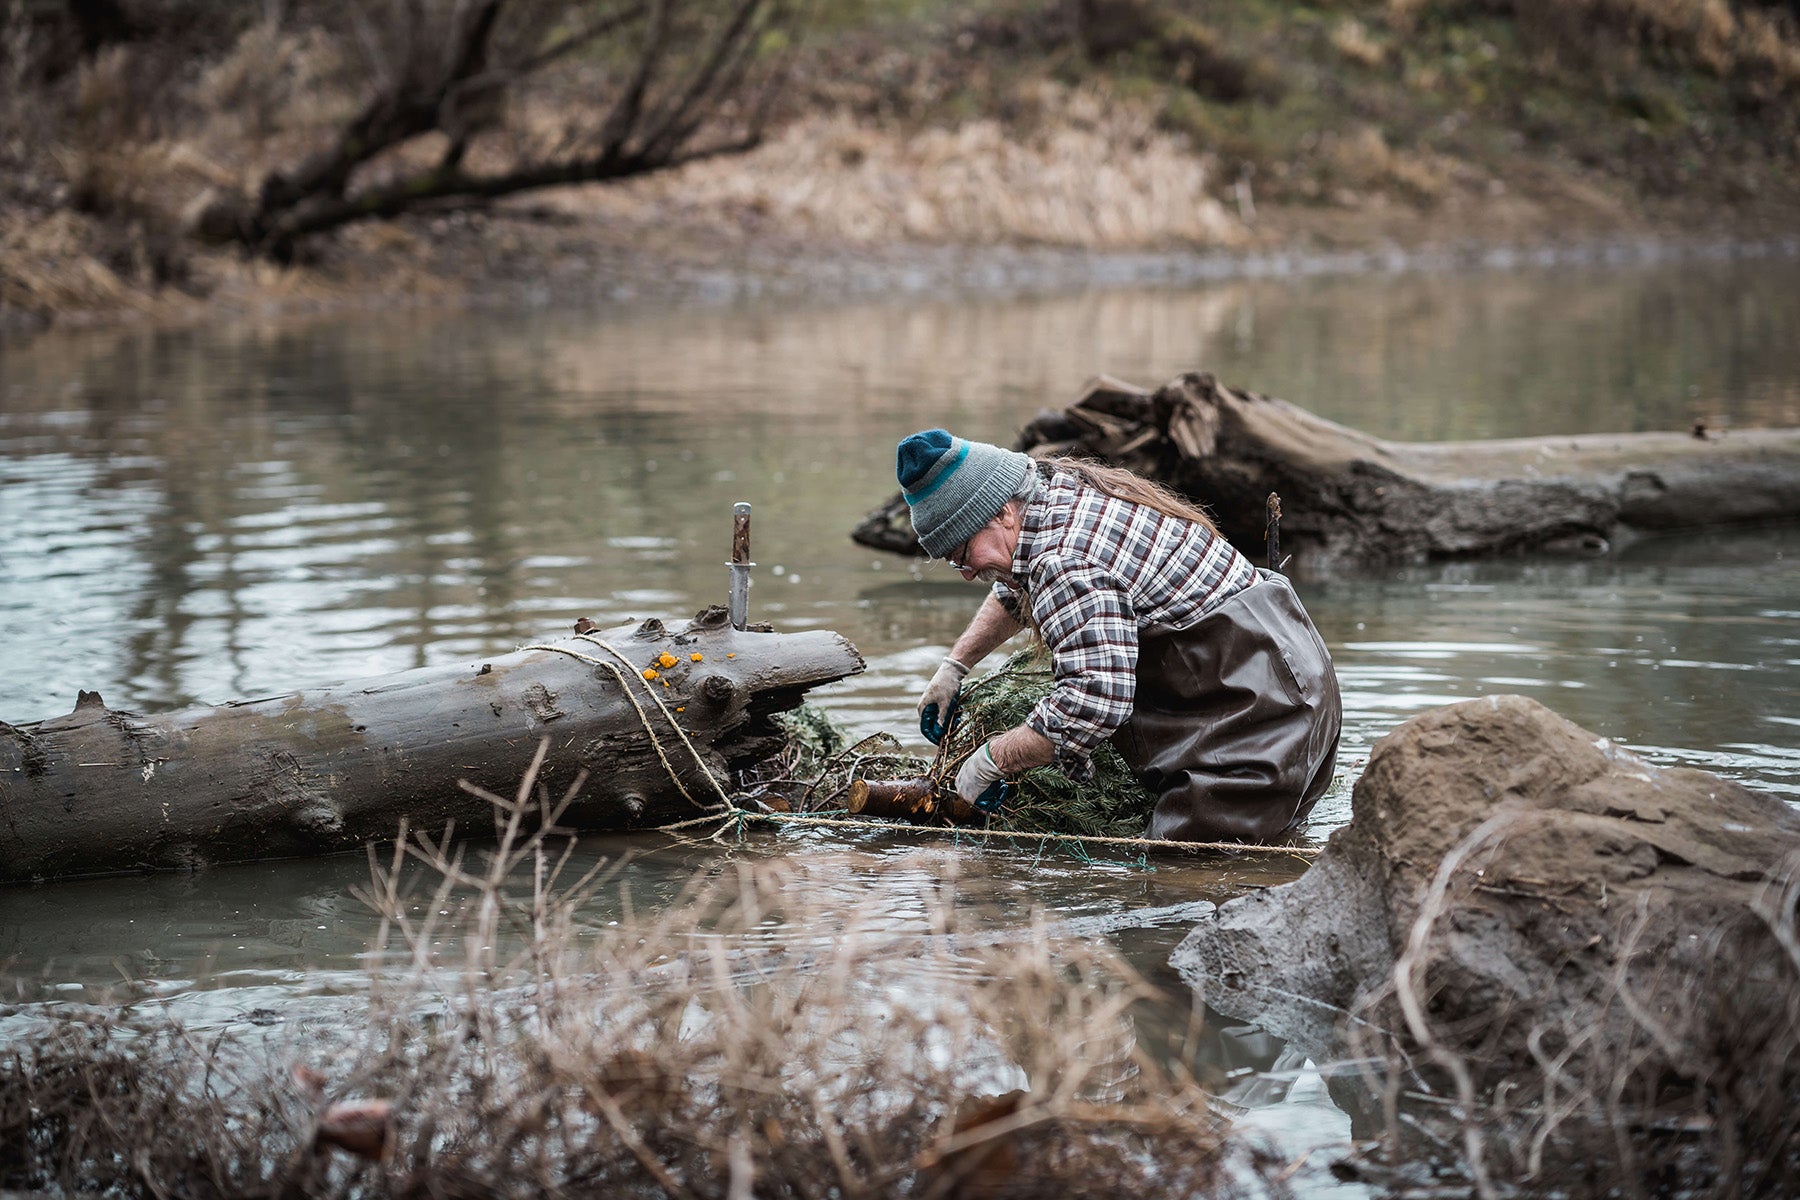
(1355, 500)
(648, 711)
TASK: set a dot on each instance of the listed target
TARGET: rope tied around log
(624, 675)
(737, 816)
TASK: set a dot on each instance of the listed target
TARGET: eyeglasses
(957, 557)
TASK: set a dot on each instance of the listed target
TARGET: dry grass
(1362, 160)
(1351, 38)
(762, 1036)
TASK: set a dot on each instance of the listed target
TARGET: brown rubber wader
(1235, 729)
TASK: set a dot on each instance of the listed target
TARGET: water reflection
(223, 513)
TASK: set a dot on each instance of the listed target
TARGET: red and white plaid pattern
(1095, 570)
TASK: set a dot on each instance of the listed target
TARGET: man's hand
(981, 782)
(938, 705)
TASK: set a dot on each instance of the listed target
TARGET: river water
(236, 510)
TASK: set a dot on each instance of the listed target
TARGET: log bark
(102, 791)
(1352, 500)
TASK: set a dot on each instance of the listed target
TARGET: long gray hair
(1122, 484)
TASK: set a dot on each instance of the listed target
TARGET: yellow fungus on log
(665, 659)
(649, 674)
(696, 657)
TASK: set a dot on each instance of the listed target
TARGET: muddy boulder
(1533, 908)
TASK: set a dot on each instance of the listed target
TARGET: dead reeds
(763, 1035)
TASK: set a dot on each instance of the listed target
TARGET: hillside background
(913, 143)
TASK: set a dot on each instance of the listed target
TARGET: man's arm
(1020, 748)
(991, 626)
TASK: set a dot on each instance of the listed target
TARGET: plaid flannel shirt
(1095, 570)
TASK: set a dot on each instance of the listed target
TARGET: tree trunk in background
(1351, 500)
(328, 769)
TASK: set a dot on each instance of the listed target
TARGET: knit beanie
(955, 487)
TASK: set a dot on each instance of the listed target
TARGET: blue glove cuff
(995, 796)
(934, 729)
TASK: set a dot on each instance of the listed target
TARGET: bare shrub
(661, 83)
(273, 79)
(763, 1035)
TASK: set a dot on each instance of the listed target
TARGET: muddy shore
(910, 150)
(556, 255)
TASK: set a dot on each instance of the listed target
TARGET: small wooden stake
(1272, 533)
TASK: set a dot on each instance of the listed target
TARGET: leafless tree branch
(446, 68)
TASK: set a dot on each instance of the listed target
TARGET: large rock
(1540, 892)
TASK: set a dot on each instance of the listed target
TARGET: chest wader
(1235, 729)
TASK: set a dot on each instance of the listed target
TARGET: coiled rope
(624, 676)
(624, 671)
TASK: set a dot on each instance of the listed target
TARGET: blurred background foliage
(1090, 124)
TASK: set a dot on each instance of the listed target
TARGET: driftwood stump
(329, 769)
(1350, 499)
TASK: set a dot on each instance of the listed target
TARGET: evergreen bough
(1111, 804)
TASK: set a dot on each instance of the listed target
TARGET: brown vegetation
(1105, 125)
(761, 1036)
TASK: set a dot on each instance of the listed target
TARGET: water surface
(233, 511)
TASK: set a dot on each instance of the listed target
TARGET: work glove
(981, 782)
(937, 707)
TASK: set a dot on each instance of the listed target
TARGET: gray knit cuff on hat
(964, 489)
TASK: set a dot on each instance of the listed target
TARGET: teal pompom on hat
(954, 487)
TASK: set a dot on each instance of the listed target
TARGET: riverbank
(1012, 145)
(538, 257)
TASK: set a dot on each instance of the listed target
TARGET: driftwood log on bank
(328, 769)
(1354, 500)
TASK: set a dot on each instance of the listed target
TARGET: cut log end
(907, 800)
